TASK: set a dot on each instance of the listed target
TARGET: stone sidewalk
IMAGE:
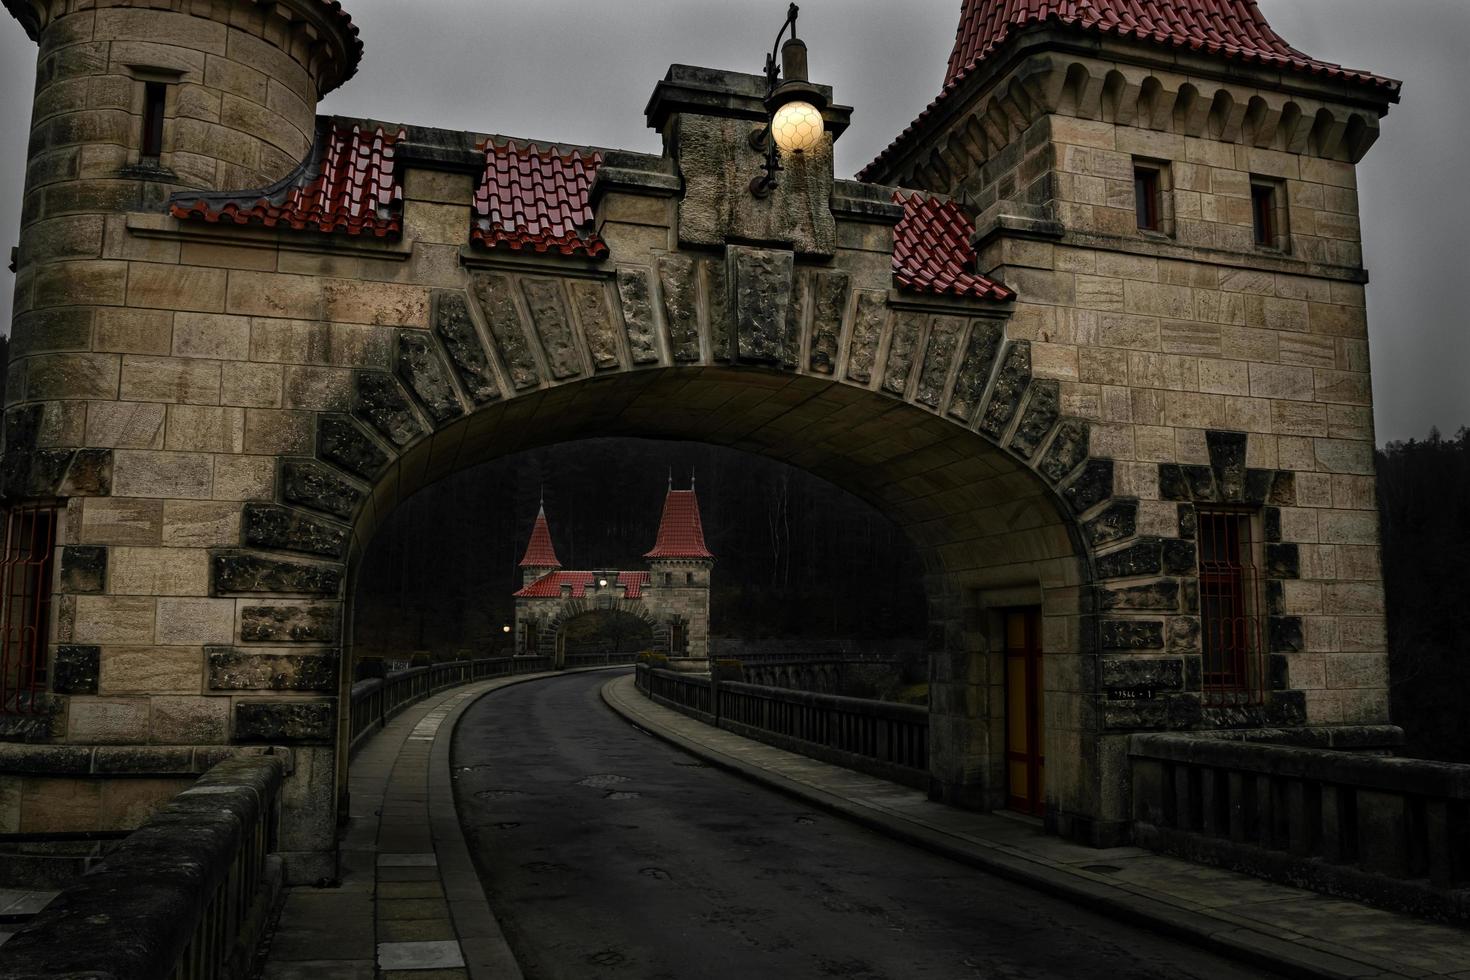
(1287, 930)
(409, 905)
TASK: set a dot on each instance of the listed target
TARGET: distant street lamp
(505, 628)
(794, 107)
(602, 583)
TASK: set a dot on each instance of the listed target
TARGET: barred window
(1230, 608)
(25, 585)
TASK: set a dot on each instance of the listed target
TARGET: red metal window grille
(1230, 608)
(25, 585)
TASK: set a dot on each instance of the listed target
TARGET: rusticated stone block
(274, 526)
(1257, 486)
(383, 405)
(681, 307)
(547, 304)
(1118, 522)
(75, 669)
(237, 572)
(83, 569)
(1043, 409)
(590, 301)
(867, 329)
(901, 352)
(310, 484)
(1227, 458)
(760, 285)
(246, 670)
(795, 318)
(1182, 635)
(1188, 522)
(288, 624)
(1286, 634)
(1135, 560)
(1179, 557)
(635, 293)
(1162, 595)
(340, 441)
(421, 368)
(1132, 634)
(944, 339)
(1090, 487)
(497, 303)
(455, 328)
(717, 297)
(831, 305)
(285, 721)
(1067, 450)
(1005, 394)
(1122, 676)
(1283, 561)
(1283, 489)
(89, 475)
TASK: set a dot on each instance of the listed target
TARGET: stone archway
(551, 629)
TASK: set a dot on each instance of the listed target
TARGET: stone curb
(1199, 927)
(487, 955)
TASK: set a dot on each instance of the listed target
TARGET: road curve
(607, 854)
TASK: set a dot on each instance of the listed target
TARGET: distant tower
(680, 566)
(540, 557)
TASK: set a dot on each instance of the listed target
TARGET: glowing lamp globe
(797, 127)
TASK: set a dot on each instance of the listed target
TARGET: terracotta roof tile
(680, 531)
(1231, 29)
(535, 200)
(549, 586)
(539, 551)
(932, 251)
(347, 185)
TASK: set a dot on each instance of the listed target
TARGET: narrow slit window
(155, 95)
(1263, 211)
(1146, 193)
(1230, 605)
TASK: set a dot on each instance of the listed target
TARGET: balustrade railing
(185, 896)
(879, 737)
(1387, 830)
(378, 699)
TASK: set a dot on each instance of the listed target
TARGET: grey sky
(581, 71)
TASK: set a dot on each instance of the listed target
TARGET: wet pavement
(606, 853)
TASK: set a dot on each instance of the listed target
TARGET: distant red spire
(680, 532)
(539, 552)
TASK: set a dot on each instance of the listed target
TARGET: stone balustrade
(877, 737)
(1391, 831)
(376, 700)
(184, 896)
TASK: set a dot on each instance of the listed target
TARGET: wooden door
(1025, 721)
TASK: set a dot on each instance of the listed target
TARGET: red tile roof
(1231, 29)
(932, 251)
(549, 586)
(680, 532)
(347, 185)
(539, 552)
(535, 200)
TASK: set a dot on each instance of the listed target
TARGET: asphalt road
(606, 853)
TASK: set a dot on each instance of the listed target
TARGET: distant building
(671, 596)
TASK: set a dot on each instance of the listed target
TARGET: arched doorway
(605, 632)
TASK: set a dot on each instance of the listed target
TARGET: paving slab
(1256, 921)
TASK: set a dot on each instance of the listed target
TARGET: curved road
(606, 853)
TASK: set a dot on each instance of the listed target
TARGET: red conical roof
(680, 533)
(539, 552)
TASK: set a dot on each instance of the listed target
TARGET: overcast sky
(581, 71)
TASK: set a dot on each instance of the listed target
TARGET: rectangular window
(1263, 213)
(1230, 608)
(155, 95)
(1148, 198)
(25, 617)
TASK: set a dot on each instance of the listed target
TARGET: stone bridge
(217, 396)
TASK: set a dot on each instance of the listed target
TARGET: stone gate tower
(672, 597)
